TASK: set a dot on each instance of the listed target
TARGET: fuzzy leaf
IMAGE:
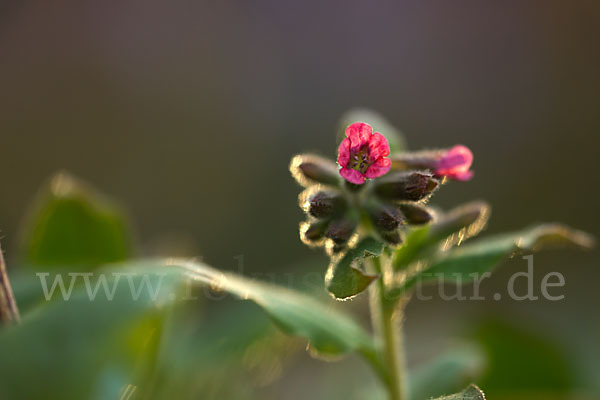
(460, 223)
(463, 264)
(378, 123)
(345, 277)
(71, 224)
(328, 332)
(470, 393)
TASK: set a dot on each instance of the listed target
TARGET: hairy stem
(387, 315)
(8, 307)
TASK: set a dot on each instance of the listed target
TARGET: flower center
(359, 161)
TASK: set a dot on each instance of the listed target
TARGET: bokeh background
(188, 112)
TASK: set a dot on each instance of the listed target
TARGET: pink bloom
(455, 164)
(363, 154)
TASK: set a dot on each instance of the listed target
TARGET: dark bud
(341, 230)
(385, 217)
(325, 204)
(392, 237)
(413, 186)
(415, 214)
(309, 169)
(313, 231)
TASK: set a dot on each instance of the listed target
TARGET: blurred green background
(188, 113)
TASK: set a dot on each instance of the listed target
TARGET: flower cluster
(369, 190)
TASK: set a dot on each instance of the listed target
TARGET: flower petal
(379, 168)
(455, 164)
(462, 175)
(344, 153)
(359, 134)
(352, 176)
(458, 156)
(378, 147)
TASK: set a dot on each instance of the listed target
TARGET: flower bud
(385, 217)
(454, 163)
(392, 237)
(416, 160)
(310, 169)
(341, 230)
(415, 214)
(313, 231)
(413, 186)
(325, 203)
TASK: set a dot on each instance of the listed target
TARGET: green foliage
(378, 123)
(447, 373)
(329, 332)
(86, 348)
(521, 361)
(71, 224)
(99, 348)
(464, 263)
(200, 357)
(79, 349)
(346, 276)
(470, 393)
(459, 224)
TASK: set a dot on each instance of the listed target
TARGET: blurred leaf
(329, 332)
(87, 349)
(27, 290)
(200, 357)
(521, 362)
(447, 373)
(465, 263)
(453, 227)
(346, 276)
(71, 224)
(378, 123)
(470, 393)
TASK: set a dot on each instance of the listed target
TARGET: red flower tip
(455, 164)
(363, 154)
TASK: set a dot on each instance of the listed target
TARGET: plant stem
(387, 315)
(8, 307)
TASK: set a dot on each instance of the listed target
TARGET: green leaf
(87, 348)
(345, 276)
(87, 341)
(451, 228)
(524, 360)
(447, 373)
(328, 332)
(416, 243)
(200, 357)
(470, 393)
(71, 224)
(464, 263)
(378, 123)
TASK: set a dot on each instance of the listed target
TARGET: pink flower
(455, 164)
(362, 154)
